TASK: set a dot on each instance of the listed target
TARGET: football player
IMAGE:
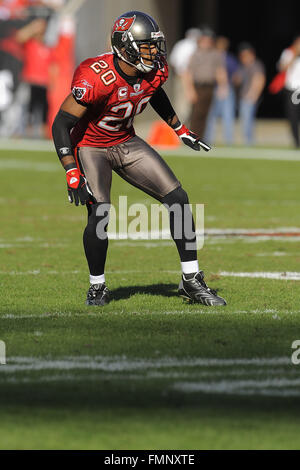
(93, 135)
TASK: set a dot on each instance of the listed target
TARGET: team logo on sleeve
(123, 24)
(78, 92)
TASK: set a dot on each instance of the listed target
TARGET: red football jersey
(112, 102)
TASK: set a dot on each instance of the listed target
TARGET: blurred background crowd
(220, 84)
(213, 84)
(36, 64)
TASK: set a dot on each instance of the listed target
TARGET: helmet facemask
(146, 55)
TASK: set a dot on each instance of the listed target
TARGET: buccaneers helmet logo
(123, 24)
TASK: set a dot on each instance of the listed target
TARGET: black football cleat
(196, 290)
(98, 294)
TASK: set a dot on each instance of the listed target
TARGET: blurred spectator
(251, 79)
(289, 63)
(61, 67)
(12, 8)
(206, 68)
(18, 18)
(60, 38)
(12, 17)
(223, 106)
(36, 73)
(179, 58)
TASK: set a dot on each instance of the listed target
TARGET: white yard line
(284, 233)
(208, 374)
(252, 231)
(39, 245)
(259, 233)
(21, 165)
(248, 153)
(249, 240)
(182, 151)
(36, 272)
(124, 243)
(163, 236)
(31, 145)
(42, 316)
(285, 276)
(223, 387)
(272, 387)
(141, 243)
(276, 254)
(120, 363)
(209, 232)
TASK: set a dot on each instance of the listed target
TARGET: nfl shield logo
(136, 87)
(78, 92)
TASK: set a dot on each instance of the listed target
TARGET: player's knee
(97, 212)
(177, 196)
(98, 217)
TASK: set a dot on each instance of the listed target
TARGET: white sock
(97, 279)
(189, 267)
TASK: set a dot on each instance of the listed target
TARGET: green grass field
(149, 371)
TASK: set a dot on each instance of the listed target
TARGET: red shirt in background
(36, 63)
(62, 68)
(12, 8)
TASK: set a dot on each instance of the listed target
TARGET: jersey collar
(130, 80)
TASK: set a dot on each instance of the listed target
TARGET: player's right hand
(78, 189)
(189, 138)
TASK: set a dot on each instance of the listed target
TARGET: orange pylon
(162, 135)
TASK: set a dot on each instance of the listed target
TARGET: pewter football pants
(139, 164)
(135, 161)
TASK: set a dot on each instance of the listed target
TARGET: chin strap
(144, 67)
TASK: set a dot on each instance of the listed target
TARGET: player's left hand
(192, 140)
(78, 189)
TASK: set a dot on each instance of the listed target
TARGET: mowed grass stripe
(213, 373)
(122, 363)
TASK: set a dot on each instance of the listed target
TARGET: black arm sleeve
(62, 125)
(161, 104)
